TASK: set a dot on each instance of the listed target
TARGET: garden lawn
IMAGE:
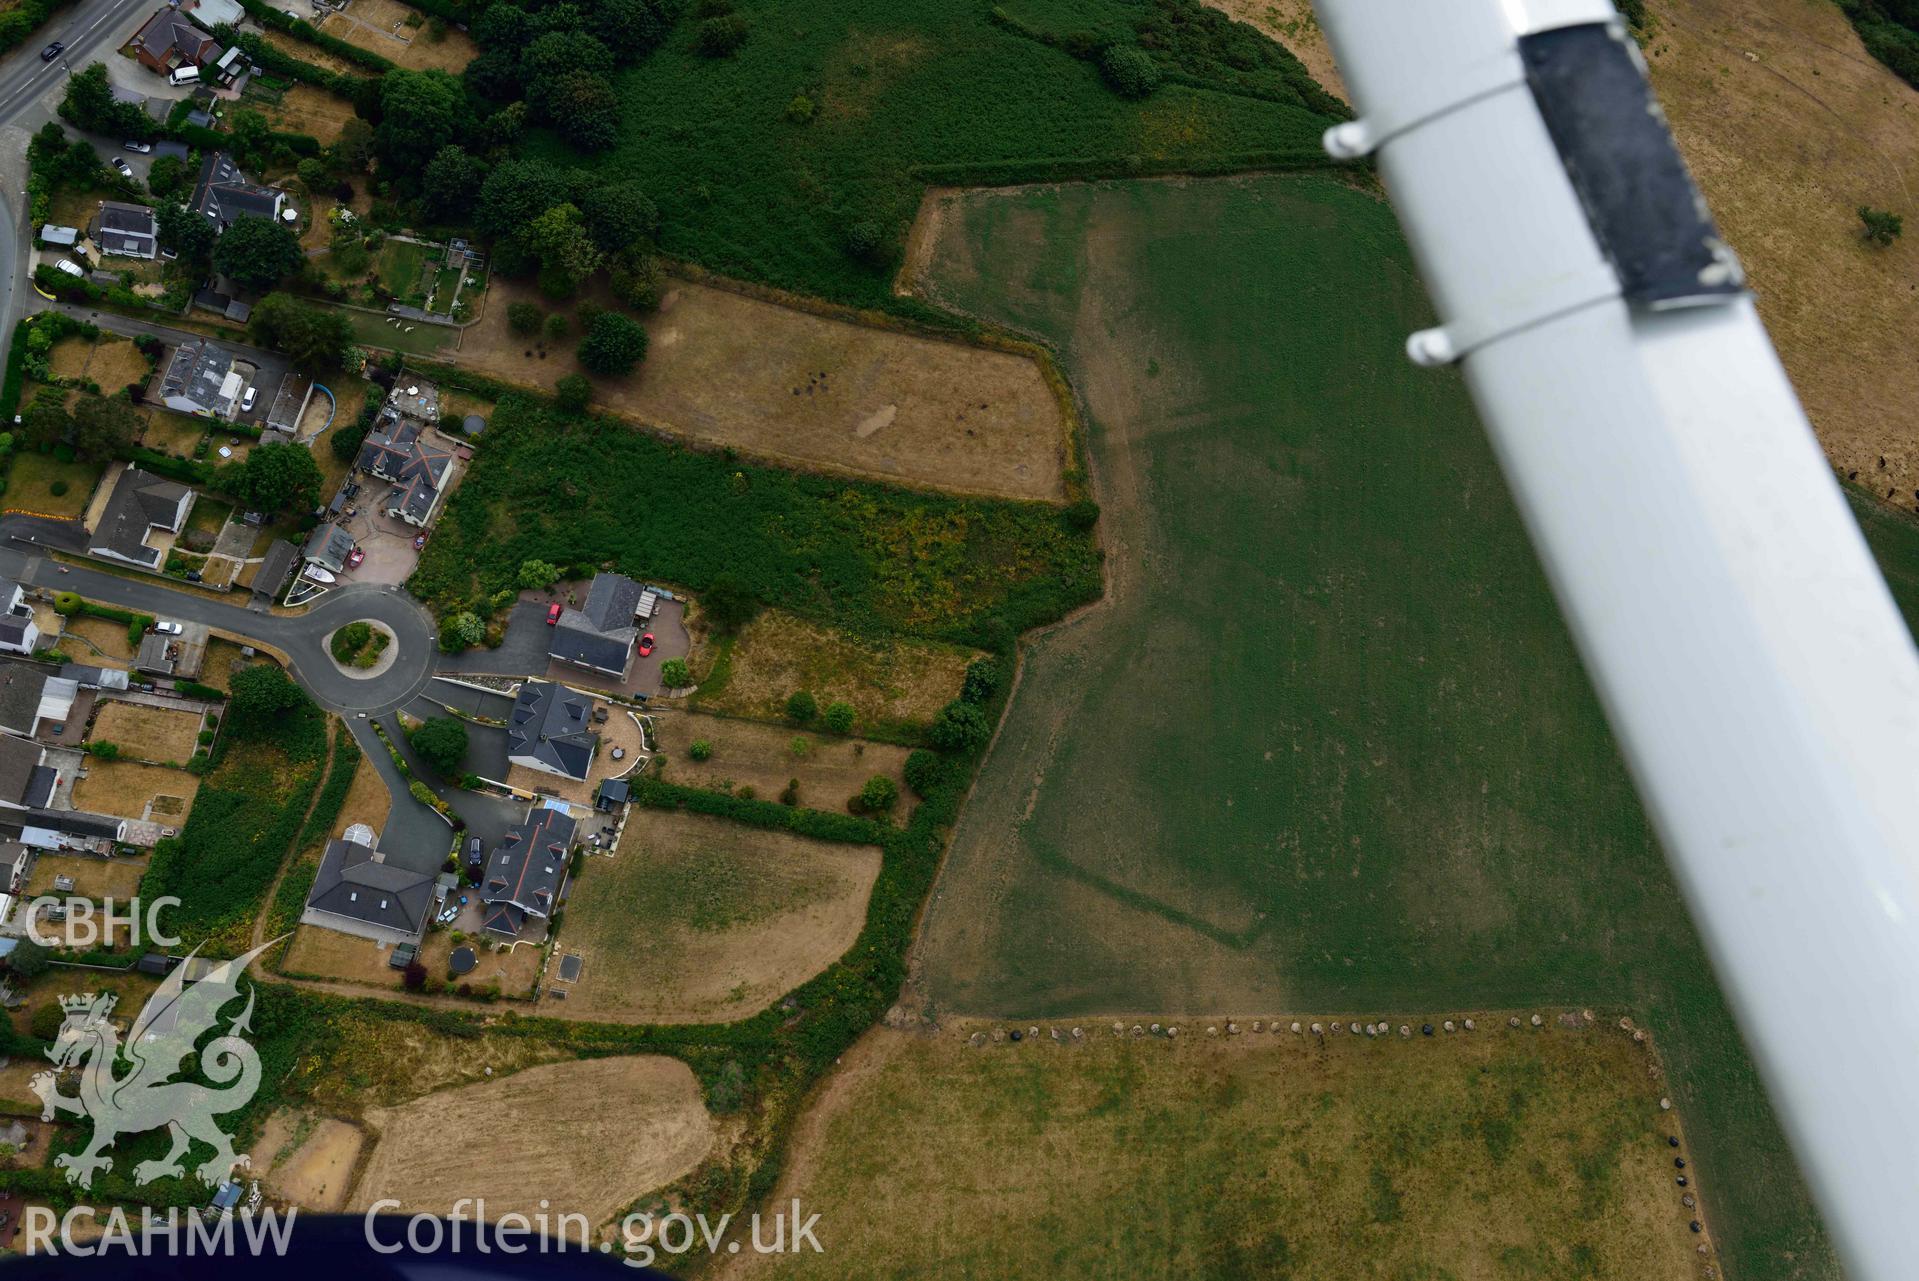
(1329, 746)
(415, 337)
(400, 265)
(906, 95)
(33, 478)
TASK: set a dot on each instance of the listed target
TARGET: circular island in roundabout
(362, 649)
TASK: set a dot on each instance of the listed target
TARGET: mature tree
(313, 337)
(504, 127)
(981, 681)
(728, 603)
(517, 192)
(354, 147)
(441, 743)
(251, 138)
(264, 690)
(838, 717)
(449, 183)
(573, 393)
(586, 109)
(505, 26)
(959, 727)
(104, 426)
(90, 104)
(420, 112)
(619, 215)
(258, 252)
(273, 478)
(559, 54)
(524, 318)
(45, 421)
(878, 796)
(188, 234)
(558, 239)
(631, 28)
(923, 771)
(65, 162)
(801, 707)
(28, 959)
(168, 177)
(461, 631)
(721, 36)
(613, 344)
(637, 279)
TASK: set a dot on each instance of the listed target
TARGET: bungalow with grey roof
(200, 379)
(141, 504)
(356, 891)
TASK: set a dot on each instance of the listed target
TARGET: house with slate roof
(356, 891)
(523, 879)
(170, 40)
(599, 635)
(550, 729)
(398, 452)
(200, 379)
(18, 632)
(130, 231)
(141, 519)
(224, 194)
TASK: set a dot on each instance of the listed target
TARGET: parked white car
(168, 629)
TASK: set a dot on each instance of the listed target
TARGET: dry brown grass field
(1528, 1154)
(147, 733)
(795, 387)
(1789, 125)
(895, 684)
(696, 919)
(763, 757)
(96, 878)
(129, 788)
(381, 26)
(328, 954)
(367, 801)
(99, 641)
(430, 1152)
(311, 111)
(307, 1160)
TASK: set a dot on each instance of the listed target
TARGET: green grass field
(1329, 746)
(373, 330)
(902, 96)
(1524, 1156)
(400, 266)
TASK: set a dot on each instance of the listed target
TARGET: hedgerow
(861, 555)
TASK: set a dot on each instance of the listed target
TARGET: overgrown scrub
(895, 89)
(864, 556)
(249, 809)
(1890, 32)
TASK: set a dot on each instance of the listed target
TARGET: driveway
(485, 744)
(414, 837)
(522, 653)
(388, 543)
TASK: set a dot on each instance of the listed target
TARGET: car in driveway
(553, 613)
(168, 629)
(121, 167)
(138, 148)
(354, 557)
(246, 401)
(51, 52)
(646, 645)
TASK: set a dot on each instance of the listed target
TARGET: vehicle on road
(646, 645)
(354, 557)
(166, 628)
(419, 542)
(51, 52)
(121, 167)
(553, 614)
(138, 148)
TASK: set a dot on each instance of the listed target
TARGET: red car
(646, 644)
(355, 557)
(553, 614)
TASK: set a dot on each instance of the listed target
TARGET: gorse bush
(1130, 70)
(801, 707)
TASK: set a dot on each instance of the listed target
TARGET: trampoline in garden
(463, 960)
(570, 968)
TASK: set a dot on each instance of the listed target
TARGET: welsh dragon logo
(146, 1097)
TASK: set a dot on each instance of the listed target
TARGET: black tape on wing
(1650, 219)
